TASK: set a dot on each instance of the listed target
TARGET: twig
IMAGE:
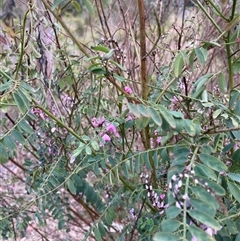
(136, 221)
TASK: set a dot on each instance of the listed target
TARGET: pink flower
(98, 122)
(128, 90)
(175, 100)
(210, 231)
(194, 238)
(39, 112)
(129, 118)
(101, 121)
(162, 196)
(207, 230)
(228, 163)
(235, 147)
(72, 159)
(223, 173)
(94, 122)
(53, 129)
(159, 139)
(106, 138)
(111, 129)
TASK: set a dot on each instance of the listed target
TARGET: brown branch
(143, 66)
(144, 88)
(17, 164)
(136, 221)
(222, 130)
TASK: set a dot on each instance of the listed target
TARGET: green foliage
(131, 143)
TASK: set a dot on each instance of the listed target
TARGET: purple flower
(207, 230)
(94, 122)
(175, 100)
(39, 112)
(129, 118)
(162, 196)
(106, 138)
(132, 212)
(101, 121)
(98, 122)
(159, 139)
(53, 129)
(194, 238)
(228, 163)
(72, 159)
(210, 231)
(128, 90)
(67, 100)
(111, 129)
(235, 147)
(223, 173)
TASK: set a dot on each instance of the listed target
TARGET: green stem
(230, 66)
(222, 130)
(57, 120)
(164, 90)
(22, 44)
(208, 16)
(5, 75)
(233, 9)
(217, 10)
(229, 217)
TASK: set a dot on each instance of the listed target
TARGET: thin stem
(208, 16)
(164, 90)
(223, 130)
(217, 10)
(230, 66)
(233, 9)
(105, 19)
(57, 120)
(22, 44)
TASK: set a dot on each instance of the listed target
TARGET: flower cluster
(109, 128)
(67, 101)
(107, 192)
(156, 140)
(132, 213)
(175, 185)
(175, 103)
(38, 112)
(207, 230)
(98, 122)
(128, 90)
(157, 200)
